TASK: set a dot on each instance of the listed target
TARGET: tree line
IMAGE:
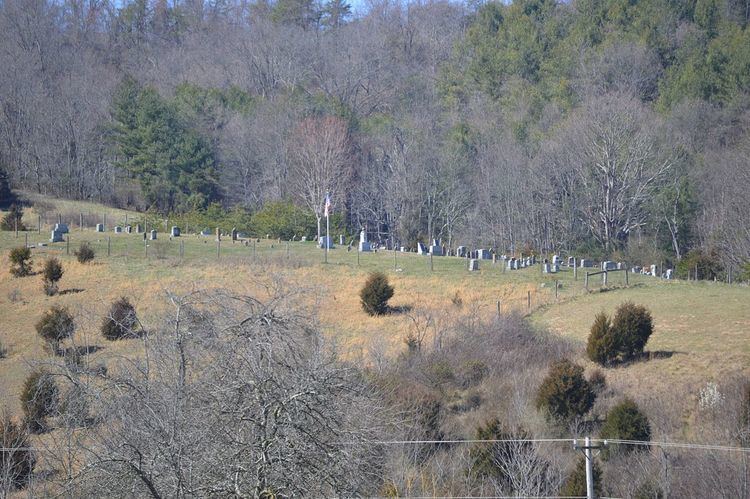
(611, 128)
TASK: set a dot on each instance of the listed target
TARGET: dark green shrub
(51, 275)
(375, 294)
(20, 259)
(16, 460)
(633, 326)
(708, 265)
(85, 253)
(472, 372)
(54, 326)
(625, 421)
(284, 220)
(601, 347)
(121, 321)
(621, 339)
(8, 222)
(565, 394)
(39, 399)
(575, 485)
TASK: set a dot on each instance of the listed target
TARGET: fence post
(587, 281)
(109, 245)
(556, 281)
(528, 300)
(80, 221)
(604, 278)
(218, 249)
(67, 245)
(498, 308)
(16, 226)
(357, 257)
(626, 277)
(253, 249)
(431, 262)
(394, 257)
(26, 243)
(575, 269)
(39, 224)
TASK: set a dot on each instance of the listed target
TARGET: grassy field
(700, 328)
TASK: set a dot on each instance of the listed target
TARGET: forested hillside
(613, 126)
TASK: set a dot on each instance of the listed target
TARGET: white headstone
(175, 232)
(473, 265)
(100, 227)
(461, 251)
(118, 229)
(653, 270)
(152, 236)
(421, 250)
(61, 228)
(436, 250)
(57, 237)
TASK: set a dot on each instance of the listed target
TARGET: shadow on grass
(401, 309)
(71, 291)
(82, 350)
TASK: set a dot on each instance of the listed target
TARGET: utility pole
(587, 447)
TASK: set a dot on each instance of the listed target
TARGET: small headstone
(175, 232)
(61, 228)
(528, 261)
(555, 259)
(533, 259)
(421, 250)
(653, 270)
(57, 237)
(138, 228)
(341, 239)
(404, 249)
(118, 229)
(303, 239)
(571, 261)
(152, 236)
(668, 274)
(586, 263)
(461, 251)
(364, 246)
(621, 265)
(516, 264)
(510, 264)
(436, 250)
(636, 270)
(555, 268)
(325, 241)
(483, 254)
(205, 233)
(234, 234)
(608, 265)
(100, 227)
(473, 265)
(545, 268)
(129, 229)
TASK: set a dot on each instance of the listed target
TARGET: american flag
(327, 205)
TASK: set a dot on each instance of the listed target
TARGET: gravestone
(555, 268)
(421, 250)
(585, 263)
(118, 229)
(636, 270)
(57, 237)
(129, 229)
(473, 265)
(653, 270)
(325, 241)
(571, 261)
(152, 236)
(403, 249)
(545, 268)
(234, 234)
(668, 274)
(138, 228)
(510, 264)
(205, 233)
(175, 232)
(608, 265)
(341, 239)
(528, 261)
(364, 246)
(516, 265)
(461, 251)
(555, 259)
(61, 228)
(533, 259)
(100, 227)
(303, 239)
(436, 250)
(523, 262)
(621, 265)
(483, 254)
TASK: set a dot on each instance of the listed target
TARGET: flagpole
(328, 238)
